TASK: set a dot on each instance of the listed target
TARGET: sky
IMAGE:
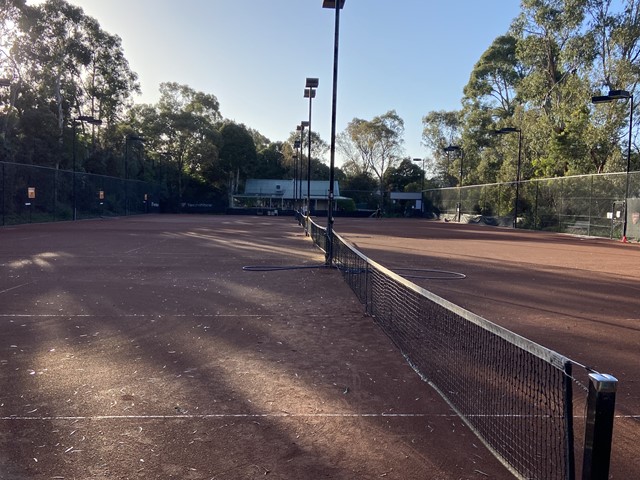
(411, 56)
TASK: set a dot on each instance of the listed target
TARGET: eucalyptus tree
(376, 145)
(51, 51)
(108, 82)
(616, 37)
(181, 131)
(407, 172)
(495, 78)
(67, 64)
(10, 12)
(556, 49)
(238, 155)
(441, 129)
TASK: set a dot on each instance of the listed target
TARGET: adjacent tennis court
(575, 295)
(140, 348)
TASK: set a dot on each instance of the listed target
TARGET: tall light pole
(504, 131)
(613, 96)
(295, 178)
(310, 93)
(336, 5)
(298, 170)
(78, 120)
(421, 185)
(301, 127)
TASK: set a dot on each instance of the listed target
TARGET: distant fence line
(30, 193)
(591, 205)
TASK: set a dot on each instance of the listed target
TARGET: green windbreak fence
(31, 193)
(591, 205)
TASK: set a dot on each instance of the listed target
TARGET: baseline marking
(265, 415)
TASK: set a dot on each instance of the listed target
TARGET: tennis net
(517, 396)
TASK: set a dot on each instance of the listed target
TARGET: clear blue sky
(414, 56)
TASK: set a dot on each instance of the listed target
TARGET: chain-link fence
(591, 205)
(30, 193)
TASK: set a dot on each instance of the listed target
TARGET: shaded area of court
(139, 348)
(575, 295)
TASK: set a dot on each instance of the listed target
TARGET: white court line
(228, 415)
(268, 415)
(13, 288)
(141, 315)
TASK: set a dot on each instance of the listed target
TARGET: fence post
(599, 426)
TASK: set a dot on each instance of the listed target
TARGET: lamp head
(332, 4)
(617, 94)
(507, 130)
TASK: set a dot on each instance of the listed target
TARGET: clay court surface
(139, 348)
(578, 296)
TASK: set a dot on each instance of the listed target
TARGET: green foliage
(346, 205)
(407, 172)
(374, 145)
(537, 77)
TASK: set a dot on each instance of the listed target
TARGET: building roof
(319, 189)
(406, 195)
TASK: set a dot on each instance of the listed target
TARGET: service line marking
(13, 288)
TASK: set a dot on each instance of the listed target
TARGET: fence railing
(591, 205)
(30, 193)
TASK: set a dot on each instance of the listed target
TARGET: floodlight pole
(309, 92)
(422, 185)
(302, 126)
(617, 95)
(337, 5)
(295, 178)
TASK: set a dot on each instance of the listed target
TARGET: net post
(599, 426)
(568, 413)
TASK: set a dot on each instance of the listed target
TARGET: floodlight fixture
(621, 95)
(332, 3)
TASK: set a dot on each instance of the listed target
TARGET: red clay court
(578, 296)
(139, 348)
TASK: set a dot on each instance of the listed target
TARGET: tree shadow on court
(156, 355)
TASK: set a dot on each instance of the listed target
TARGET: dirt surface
(578, 296)
(139, 348)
